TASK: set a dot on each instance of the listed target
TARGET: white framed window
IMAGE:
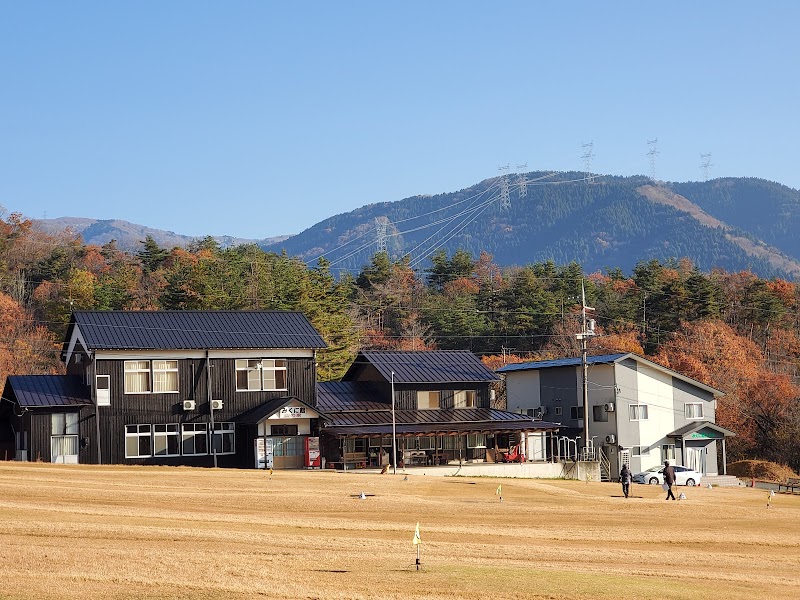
(668, 452)
(260, 374)
(428, 400)
(693, 410)
(638, 412)
(427, 443)
(283, 430)
(557, 411)
(194, 439)
(138, 441)
(464, 399)
(166, 439)
(165, 376)
(137, 377)
(640, 451)
(223, 438)
(476, 440)
(575, 412)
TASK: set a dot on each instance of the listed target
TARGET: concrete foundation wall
(584, 471)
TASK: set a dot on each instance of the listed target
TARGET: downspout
(210, 406)
(93, 375)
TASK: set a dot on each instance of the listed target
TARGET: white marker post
(417, 541)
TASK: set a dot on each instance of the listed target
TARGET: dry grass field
(151, 532)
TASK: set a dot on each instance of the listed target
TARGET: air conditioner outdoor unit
(609, 407)
(216, 405)
(188, 405)
(611, 439)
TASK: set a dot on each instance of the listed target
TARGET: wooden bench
(791, 484)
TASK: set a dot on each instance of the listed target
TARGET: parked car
(655, 476)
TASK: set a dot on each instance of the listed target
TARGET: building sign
(292, 412)
(704, 435)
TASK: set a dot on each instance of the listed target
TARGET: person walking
(625, 479)
(669, 479)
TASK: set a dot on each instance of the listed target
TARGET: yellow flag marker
(499, 492)
(417, 541)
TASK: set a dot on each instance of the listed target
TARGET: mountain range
(602, 222)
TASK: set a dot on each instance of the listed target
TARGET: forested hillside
(606, 223)
(729, 329)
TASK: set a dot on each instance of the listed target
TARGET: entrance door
(696, 459)
(64, 438)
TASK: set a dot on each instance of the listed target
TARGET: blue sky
(257, 119)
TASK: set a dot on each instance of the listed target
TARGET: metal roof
(47, 390)
(193, 329)
(607, 359)
(561, 362)
(697, 426)
(425, 366)
(349, 395)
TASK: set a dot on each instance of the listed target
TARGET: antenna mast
(653, 153)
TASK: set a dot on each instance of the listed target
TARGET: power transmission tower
(522, 180)
(380, 233)
(587, 156)
(705, 165)
(653, 153)
(505, 199)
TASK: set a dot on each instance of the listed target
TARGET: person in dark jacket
(669, 479)
(625, 479)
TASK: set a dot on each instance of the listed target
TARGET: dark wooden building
(439, 404)
(171, 387)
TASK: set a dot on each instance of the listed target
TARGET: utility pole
(394, 433)
(587, 330)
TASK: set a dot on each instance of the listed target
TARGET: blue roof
(562, 362)
(193, 329)
(424, 366)
(47, 390)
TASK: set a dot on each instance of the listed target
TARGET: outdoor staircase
(720, 481)
(605, 465)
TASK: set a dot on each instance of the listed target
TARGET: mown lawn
(153, 532)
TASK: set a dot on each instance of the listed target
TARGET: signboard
(312, 452)
(292, 412)
(705, 434)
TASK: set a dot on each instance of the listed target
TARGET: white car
(655, 476)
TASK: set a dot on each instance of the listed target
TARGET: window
(640, 451)
(283, 430)
(137, 376)
(288, 446)
(265, 374)
(668, 452)
(165, 376)
(450, 442)
(194, 439)
(140, 373)
(427, 400)
(374, 442)
(223, 438)
(138, 441)
(464, 399)
(557, 411)
(166, 440)
(599, 413)
(355, 445)
(693, 410)
(476, 440)
(638, 412)
(575, 412)
(427, 443)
